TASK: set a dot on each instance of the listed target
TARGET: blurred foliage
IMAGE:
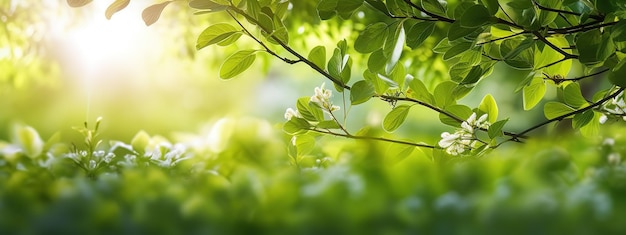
(23, 61)
(235, 178)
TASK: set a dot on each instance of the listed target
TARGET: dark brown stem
(559, 118)
(358, 137)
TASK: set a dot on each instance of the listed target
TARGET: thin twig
(359, 137)
(559, 80)
(559, 118)
(595, 17)
(502, 38)
(544, 40)
(267, 49)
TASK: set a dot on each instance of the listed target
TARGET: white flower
(447, 139)
(463, 139)
(290, 113)
(614, 158)
(603, 119)
(322, 98)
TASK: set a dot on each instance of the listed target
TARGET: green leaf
(556, 109)
(215, 34)
(266, 23)
(442, 46)
(594, 47)
(398, 152)
(488, 105)
(513, 47)
(372, 38)
(237, 63)
(573, 96)
(304, 144)
(398, 75)
(309, 111)
(30, 141)
(545, 55)
(495, 130)
(593, 127)
(253, 8)
(618, 31)
(151, 14)
(491, 5)
(396, 117)
(78, 3)
(318, 56)
(533, 93)
(396, 38)
(616, 75)
(420, 92)
(457, 31)
(461, 111)
(434, 6)
(456, 50)
(140, 141)
(207, 5)
(377, 60)
(361, 92)
(328, 124)
(379, 85)
(476, 16)
(582, 119)
(296, 126)
(378, 5)
(345, 8)
(473, 76)
(443, 93)
(116, 6)
(546, 17)
(326, 9)
(418, 33)
(339, 65)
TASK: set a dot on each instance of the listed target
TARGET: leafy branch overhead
(566, 46)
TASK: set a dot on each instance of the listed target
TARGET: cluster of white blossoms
(322, 98)
(616, 107)
(463, 139)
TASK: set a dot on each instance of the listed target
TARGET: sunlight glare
(99, 45)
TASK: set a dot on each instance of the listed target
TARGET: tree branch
(560, 80)
(559, 118)
(441, 111)
(289, 49)
(544, 40)
(267, 49)
(359, 137)
(595, 17)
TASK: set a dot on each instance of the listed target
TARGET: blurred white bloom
(603, 119)
(614, 158)
(608, 141)
(92, 164)
(290, 113)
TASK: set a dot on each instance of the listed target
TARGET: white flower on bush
(463, 139)
(322, 98)
(290, 113)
